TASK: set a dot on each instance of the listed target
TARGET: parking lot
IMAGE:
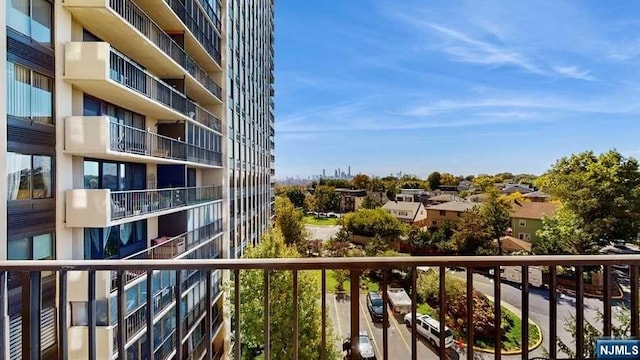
(399, 336)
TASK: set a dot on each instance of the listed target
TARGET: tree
(289, 222)
(325, 198)
(370, 203)
(294, 193)
(448, 179)
(372, 222)
(434, 180)
(483, 183)
(472, 236)
(336, 183)
(603, 191)
(376, 246)
(514, 197)
(564, 233)
(428, 286)
(377, 185)
(620, 328)
(280, 306)
(338, 245)
(495, 214)
(361, 181)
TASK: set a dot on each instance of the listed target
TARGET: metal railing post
(267, 315)
(469, 325)
(579, 312)
(355, 315)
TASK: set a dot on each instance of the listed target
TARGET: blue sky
(456, 86)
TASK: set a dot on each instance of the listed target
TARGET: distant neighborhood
(429, 210)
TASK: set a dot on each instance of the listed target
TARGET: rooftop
(459, 206)
(533, 210)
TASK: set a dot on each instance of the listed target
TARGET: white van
(514, 274)
(429, 329)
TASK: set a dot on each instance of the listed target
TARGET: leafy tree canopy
(435, 180)
(281, 306)
(603, 191)
(372, 222)
(289, 222)
(361, 181)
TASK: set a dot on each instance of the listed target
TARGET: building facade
(138, 129)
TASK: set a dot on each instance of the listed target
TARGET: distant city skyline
(465, 87)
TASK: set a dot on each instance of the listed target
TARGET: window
(443, 213)
(39, 247)
(115, 242)
(523, 223)
(31, 18)
(29, 177)
(29, 94)
(524, 236)
(403, 213)
(434, 223)
(114, 176)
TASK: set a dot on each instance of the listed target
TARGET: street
(323, 233)
(399, 336)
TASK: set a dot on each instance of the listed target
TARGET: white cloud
(472, 50)
(574, 72)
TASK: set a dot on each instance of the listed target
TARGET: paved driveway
(399, 336)
(323, 233)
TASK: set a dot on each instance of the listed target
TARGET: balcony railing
(202, 29)
(170, 248)
(126, 72)
(139, 202)
(355, 267)
(141, 21)
(133, 140)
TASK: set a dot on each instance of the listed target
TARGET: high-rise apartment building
(136, 129)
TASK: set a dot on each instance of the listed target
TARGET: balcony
(98, 136)
(173, 17)
(355, 267)
(99, 70)
(124, 25)
(103, 207)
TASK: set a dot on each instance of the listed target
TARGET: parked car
(429, 329)
(375, 306)
(365, 347)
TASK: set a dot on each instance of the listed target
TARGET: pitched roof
(444, 197)
(410, 207)
(533, 210)
(510, 243)
(516, 187)
(536, 194)
(353, 192)
(459, 206)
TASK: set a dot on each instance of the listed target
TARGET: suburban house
(414, 195)
(443, 198)
(477, 198)
(412, 213)
(351, 200)
(438, 215)
(526, 218)
(464, 185)
(522, 189)
(537, 196)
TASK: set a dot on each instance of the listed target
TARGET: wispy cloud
(469, 49)
(574, 72)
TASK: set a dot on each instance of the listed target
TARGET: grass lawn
(312, 220)
(331, 283)
(511, 339)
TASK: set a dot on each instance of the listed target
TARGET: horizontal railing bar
(321, 263)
